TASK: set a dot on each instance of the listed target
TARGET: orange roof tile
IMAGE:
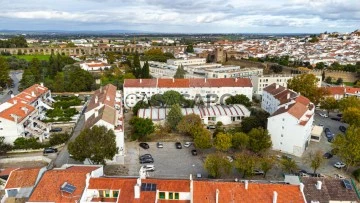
(205, 191)
(303, 100)
(105, 95)
(6, 171)
(352, 90)
(48, 189)
(173, 83)
(336, 90)
(20, 110)
(274, 89)
(22, 177)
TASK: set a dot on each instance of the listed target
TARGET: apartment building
(261, 81)
(94, 66)
(211, 91)
(105, 109)
(232, 72)
(186, 62)
(21, 115)
(291, 119)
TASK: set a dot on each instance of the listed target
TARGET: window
(283, 119)
(107, 193)
(283, 127)
(176, 195)
(115, 193)
(173, 195)
(161, 195)
(282, 135)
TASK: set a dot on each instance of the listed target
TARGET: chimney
(96, 99)
(236, 79)
(246, 184)
(26, 110)
(32, 93)
(318, 185)
(276, 86)
(140, 80)
(42, 84)
(205, 80)
(288, 95)
(137, 190)
(12, 96)
(275, 197)
(217, 196)
(15, 117)
(286, 106)
(108, 98)
(173, 80)
(15, 101)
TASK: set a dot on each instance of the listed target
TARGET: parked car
(148, 167)
(144, 145)
(339, 165)
(257, 172)
(178, 145)
(342, 128)
(318, 175)
(336, 119)
(330, 139)
(146, 161)
(187, 144)
(302, 171)
(328, 155)
(56, 130)
(230, 159)
(145, 156)
(324, 115)
(159, 145)
(339, 176)
(211, 127)
(194, 152)
(303, 174)
(50, 150)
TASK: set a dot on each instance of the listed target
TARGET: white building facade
(274, 96)
(94, 66)
(186, 62)
(21, 115)
(211, 91)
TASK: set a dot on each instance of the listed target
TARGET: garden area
(62, 109)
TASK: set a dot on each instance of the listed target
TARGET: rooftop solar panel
(66, 187)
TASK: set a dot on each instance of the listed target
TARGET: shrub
(31, 143)
(57, 139)
(356, 174)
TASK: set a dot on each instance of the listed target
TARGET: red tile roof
(336, 90)
(20, 110)
(205, 191)
(105, 95)
(126, 187)
(352, 90)
(22, 177)
(285, 96)
(303, 100)
(6, 171)
(191, 82)
(48, 189)
(274, 89)
(296, 109)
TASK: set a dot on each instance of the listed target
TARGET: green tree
(189, 124)
(351, 116)
(216, 165)
(348, 146)
(328, 79)
(4, 147)
(239, 99)
(306, 84)
(245, 162)
(157, 100)
(348, 102)
(180, 72)
(266, 164)
(240, 140)
(4, 72)
(174, 116)
(189, 48)
(202, 138)
(320, 65)
(222, 141)
(139, 105)
(145, 72)
(315, 159)
(136, 67)
(288, 165)
(172, 97)
(27, 79)
(276, 68)
(96, 144)
(141, 127)
(339, 81)
(329, 104)
(59, 82)
(259, 140)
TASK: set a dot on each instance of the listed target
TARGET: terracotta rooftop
(205, 192)
(303, 100)
(274, 89)
(331, 190)
(336, 90)
(6, 171)
(352, 90)
(285, 96)
(191, 82)
(19, 110)
(126, 187)
(48, 189)
(105, 95)
(22, 177)
(296, 109)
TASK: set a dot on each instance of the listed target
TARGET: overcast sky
(187, 16)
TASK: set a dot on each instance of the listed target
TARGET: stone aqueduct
(89, 50)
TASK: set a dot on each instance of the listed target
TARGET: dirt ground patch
(24, 164)
(116, 170)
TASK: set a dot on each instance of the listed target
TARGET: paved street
(169, 161)
(16, 77)
(64, 157)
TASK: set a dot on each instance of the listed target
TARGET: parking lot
(168, 161)
(327, 167)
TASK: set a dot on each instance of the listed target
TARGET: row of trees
(329, 80)
(14, 42)
(5, 79)
(338, 66)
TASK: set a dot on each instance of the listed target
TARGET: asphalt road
(16, 77)
(64, 156)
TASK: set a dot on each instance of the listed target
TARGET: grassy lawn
(30, 57)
